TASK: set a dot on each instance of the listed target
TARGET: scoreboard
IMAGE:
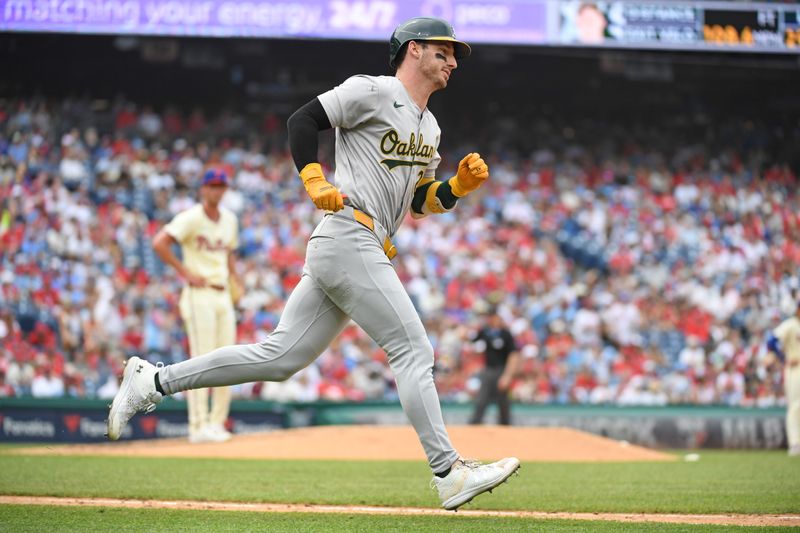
(763, 28)
(701, 26)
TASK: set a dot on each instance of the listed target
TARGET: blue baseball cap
(215, 177)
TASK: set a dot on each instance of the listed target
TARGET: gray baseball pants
(346, 275)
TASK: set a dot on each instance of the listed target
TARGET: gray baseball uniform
(384, 145)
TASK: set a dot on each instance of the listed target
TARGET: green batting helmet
(425, 29)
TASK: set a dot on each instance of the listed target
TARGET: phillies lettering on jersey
(384, 145)
(218, 245)
(206, 243)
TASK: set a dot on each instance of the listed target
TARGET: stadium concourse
(639, 258)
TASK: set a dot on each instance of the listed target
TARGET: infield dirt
(381, 443)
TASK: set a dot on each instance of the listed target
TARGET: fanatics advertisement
(89, 425)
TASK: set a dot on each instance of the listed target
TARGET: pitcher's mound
(382, 443)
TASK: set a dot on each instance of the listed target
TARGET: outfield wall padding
(679, 427)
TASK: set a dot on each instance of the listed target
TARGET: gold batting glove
(472, 172)
(322, 193)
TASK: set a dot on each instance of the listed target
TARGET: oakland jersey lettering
(416, 148)
(384, 144)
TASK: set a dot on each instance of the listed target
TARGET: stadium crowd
(635, 265)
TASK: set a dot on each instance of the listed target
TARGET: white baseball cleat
(210, 433)
(137, 392)
(200, 436)
(469, 478)
(219, 433)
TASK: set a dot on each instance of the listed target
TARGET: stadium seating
(630, 271)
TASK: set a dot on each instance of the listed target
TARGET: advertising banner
(498, 21)
(89, 425)
(679, 427)
(731, 26)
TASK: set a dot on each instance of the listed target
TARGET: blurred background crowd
(635, 263)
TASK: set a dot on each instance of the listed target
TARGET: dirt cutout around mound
(380, 443)
(727, 519)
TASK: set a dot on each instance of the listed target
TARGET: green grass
(23, 518)
(721, 482)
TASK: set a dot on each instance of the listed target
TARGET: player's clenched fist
(322, 193)
(472, 172)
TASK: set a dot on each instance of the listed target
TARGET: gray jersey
(384, 145)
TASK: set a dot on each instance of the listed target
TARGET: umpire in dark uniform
(502, 359)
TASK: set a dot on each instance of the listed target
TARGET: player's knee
(413, 342)
(425, 354)
(283, 373)
(415, 363)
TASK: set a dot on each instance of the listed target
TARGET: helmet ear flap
(396, 57)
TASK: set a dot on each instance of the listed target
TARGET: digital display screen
(702, 26)
(754, 28)
(791, 29)
(604, 23)
(495, 21)
(677, 25)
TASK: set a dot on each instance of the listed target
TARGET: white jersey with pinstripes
(384, 145)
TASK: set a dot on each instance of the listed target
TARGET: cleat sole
(504, 480)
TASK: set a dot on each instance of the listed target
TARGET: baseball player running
(208, 234)
(785, 343)
(386, 159)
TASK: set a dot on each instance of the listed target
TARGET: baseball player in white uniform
(207, 234)
(386, 159)
(785, 343)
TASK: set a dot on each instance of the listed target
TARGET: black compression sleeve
(304, 127)
(445, 194)
(418, 202)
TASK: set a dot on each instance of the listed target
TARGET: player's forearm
(172, 260)
(431, 196)
(232, 267)
(512, 365)
(443, 193)
(162, 246)
(304, 127)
